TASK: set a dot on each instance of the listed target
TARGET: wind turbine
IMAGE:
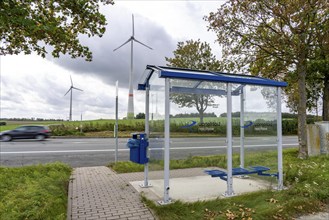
(71, 90)
(130, 113)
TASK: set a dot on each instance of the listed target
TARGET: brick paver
(99, 193)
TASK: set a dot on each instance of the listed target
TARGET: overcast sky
(34, 87)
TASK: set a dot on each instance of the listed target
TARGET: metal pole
(156, 104)
(229, 191)
(279, 133)
(242, 100)
(116, 121)
(152, 107)
(81, 123)
(0, 144)
(166, 198)
(130, 114)
(147, 131)
(71, 105)
(147, 110)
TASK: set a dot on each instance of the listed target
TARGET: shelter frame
(168, 73)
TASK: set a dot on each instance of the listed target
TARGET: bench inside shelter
(259, 170)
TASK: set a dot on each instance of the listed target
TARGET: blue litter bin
(138, 148)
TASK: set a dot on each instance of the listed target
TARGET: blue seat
(259, 170)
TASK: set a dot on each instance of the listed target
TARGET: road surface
(84, 152)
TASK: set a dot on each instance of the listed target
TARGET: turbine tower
(71, 90)
(130, 113)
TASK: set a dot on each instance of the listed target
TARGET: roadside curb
(70, 198)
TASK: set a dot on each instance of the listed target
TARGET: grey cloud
(52, 92)
(99, 102)
(9, 95)
(111, 66)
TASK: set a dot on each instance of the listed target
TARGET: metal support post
(147, 131)
(229, 191)
(116, 122)
(81, 123)
(279, 133)
(166, 198)
(242, 102)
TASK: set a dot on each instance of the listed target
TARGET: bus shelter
(168, 90)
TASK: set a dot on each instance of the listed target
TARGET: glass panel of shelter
(195, 113)
(257, 123)
(156, 124)
(259, 119)
(188, 128)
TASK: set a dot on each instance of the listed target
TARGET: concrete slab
(198, 188)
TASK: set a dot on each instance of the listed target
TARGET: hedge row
(258, 127)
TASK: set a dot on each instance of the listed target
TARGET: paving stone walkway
(99, 193)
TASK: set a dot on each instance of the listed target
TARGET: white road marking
(152, 149)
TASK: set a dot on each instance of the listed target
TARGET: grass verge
(34, 192)
(266, 158)
(307, 181)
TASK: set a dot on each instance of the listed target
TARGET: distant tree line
(193, 115)
(181, 115)
(140, 116)
(234, 114)
(30, 119)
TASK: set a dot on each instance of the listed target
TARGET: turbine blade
(123, 44)
(68, 91)
(142, 44)
(77, 88)
(71, 81)
(133, 25)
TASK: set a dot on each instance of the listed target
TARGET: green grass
(307, 182)
(257, 206)
(265, 158)
(34, 192)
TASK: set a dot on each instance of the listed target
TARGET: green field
(13, 124)
(212, 126)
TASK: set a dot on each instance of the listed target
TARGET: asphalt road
(84, 152)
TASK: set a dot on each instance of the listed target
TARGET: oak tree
(276, 38)
(194, 55)
(41, 25)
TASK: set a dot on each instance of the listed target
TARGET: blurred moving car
(38, 132)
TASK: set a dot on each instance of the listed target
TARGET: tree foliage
(140, 116)
(274, 39)
(194, 55)
(318, 81)
(31, 25)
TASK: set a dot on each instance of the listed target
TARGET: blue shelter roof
(202, 75)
